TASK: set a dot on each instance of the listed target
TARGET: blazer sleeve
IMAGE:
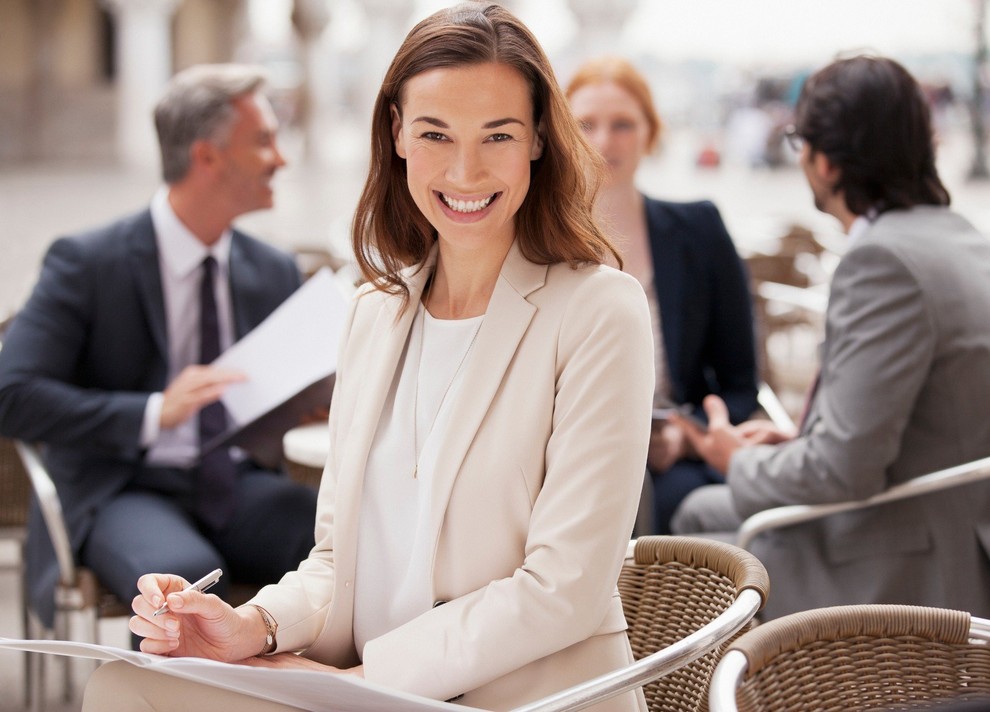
(39, 362)
(580, 521)
(732, 341)
(880, 344)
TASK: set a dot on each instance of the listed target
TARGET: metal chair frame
(786, 516)
(77, 592)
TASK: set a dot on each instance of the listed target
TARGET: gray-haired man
(105, 364)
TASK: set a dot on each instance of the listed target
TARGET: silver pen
(202, 585)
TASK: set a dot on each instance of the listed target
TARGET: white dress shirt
(180, 259)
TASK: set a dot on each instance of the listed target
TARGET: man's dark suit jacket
(705, 305)
(82, 357)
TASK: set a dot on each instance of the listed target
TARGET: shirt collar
(860, 225)
(182, 252)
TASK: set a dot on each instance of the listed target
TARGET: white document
(306, 689)
(293, 348)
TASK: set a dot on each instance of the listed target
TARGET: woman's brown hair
(554, 223)
(615, 70)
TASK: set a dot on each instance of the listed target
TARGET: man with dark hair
(107, 364)
(905, 374)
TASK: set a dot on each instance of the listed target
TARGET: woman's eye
(623, 126)
(434, 136)
(499, 137)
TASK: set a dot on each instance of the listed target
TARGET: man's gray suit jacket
(87, 350)
(904, 390)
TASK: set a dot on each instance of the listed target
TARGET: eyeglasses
(794, 139)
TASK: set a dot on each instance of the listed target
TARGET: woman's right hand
(196, 624)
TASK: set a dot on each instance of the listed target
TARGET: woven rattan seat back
(15, 488)
(850, 658)
(675, 586)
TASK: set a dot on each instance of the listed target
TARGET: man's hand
(763, 432)
(195, 387)
(722, 439)
(667, 446)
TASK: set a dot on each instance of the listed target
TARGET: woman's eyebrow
(488, 125)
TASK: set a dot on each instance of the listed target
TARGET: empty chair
(852, 658)
(684, 600)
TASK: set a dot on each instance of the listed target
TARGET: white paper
(294, 347)
(306, 689)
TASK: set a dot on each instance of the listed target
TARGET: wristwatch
(271, 628)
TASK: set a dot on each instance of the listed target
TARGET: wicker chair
(78, 593)
(851, 658)
(15, 494)
(685, 599)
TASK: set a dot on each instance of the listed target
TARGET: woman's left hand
(291, 660)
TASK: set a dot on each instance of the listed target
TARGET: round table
(306, 449)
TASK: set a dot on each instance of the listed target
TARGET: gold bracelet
(271, 628)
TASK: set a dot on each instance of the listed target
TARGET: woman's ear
(538, 143)
(400, 148)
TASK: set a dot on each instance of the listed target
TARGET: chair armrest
(771, 404)
(801, 297)
(779, 517)
(979, 629)
(654, 666)
(725, 681)
(51, 510)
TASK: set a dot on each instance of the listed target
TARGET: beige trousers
(122, 687)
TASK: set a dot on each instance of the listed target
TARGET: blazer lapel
(506, 321)
(389, 332)
(148, 278)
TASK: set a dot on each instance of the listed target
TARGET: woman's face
(468, 137)
(614, 122)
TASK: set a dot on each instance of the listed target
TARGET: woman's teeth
(467, 206)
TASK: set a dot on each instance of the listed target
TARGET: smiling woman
(468, 141)
(491, 412)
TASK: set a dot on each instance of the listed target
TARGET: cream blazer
(535, 493)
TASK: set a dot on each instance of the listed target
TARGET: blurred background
(78, 79)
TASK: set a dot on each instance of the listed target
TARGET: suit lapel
(244, 278)
(148, 278)
(506, 321)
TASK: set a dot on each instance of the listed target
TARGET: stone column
(144, 65)
(310, 18)
(388, 23)
(600, 26)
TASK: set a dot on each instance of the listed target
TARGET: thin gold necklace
(443, 398)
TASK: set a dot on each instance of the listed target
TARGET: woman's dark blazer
(705, 306)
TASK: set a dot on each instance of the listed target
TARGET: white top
(180, 259)
(392, 578)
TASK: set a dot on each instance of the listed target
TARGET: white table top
(307, 445)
